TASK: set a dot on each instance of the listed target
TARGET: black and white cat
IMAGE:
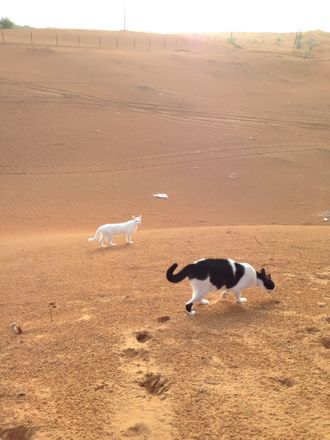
(208, 275)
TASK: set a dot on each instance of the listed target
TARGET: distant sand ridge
(233, 135)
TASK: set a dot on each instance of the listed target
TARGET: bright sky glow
(166, 16)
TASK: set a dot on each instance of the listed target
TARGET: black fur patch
(266, 279)
(220, 272)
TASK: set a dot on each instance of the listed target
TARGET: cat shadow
(118, 248)
(234, 314)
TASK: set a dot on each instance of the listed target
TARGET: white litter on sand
(160, 196)
(325, 215)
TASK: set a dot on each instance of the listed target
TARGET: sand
(238, 137)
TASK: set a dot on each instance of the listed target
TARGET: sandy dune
(238, 137)
(225, 132)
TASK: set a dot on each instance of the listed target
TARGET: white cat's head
(137, 219)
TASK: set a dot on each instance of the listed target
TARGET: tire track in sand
(195, 115)
(169, 160)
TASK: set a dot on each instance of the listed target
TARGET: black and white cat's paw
(241, 300)
(189, 310)
(205, 301)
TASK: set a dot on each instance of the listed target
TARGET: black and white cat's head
(265, 280)
(137, 219)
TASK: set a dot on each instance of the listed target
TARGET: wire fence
(108, 40)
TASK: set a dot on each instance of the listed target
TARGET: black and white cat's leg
(224, 294)
(200, 290)
(129, 239)
(239, 298)
(196, 297)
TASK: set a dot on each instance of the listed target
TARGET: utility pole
(124, 15)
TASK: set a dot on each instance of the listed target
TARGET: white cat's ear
(133, 216)
(140, 216)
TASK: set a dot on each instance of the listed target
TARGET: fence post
(149, 43)
(2, 36)
(297, 42)
(56, 40)
(31, 39)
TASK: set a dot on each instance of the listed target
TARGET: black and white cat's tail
(176, 278)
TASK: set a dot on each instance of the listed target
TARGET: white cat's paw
(242, 300)
(130, 242)
(192, 313)
(205, 301)
(113, 244)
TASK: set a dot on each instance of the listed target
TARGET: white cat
(211, 274)
(105, 233)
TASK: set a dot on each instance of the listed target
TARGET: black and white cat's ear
(263, 272)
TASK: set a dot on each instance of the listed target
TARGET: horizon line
(233, 31)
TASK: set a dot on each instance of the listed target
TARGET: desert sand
(92, 125)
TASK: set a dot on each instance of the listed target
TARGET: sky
(172, 16)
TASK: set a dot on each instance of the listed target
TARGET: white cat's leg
(110, 241)
(129, 239)
(101, 240)
(239, 298)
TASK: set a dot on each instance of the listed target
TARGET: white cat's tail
(97, 236)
